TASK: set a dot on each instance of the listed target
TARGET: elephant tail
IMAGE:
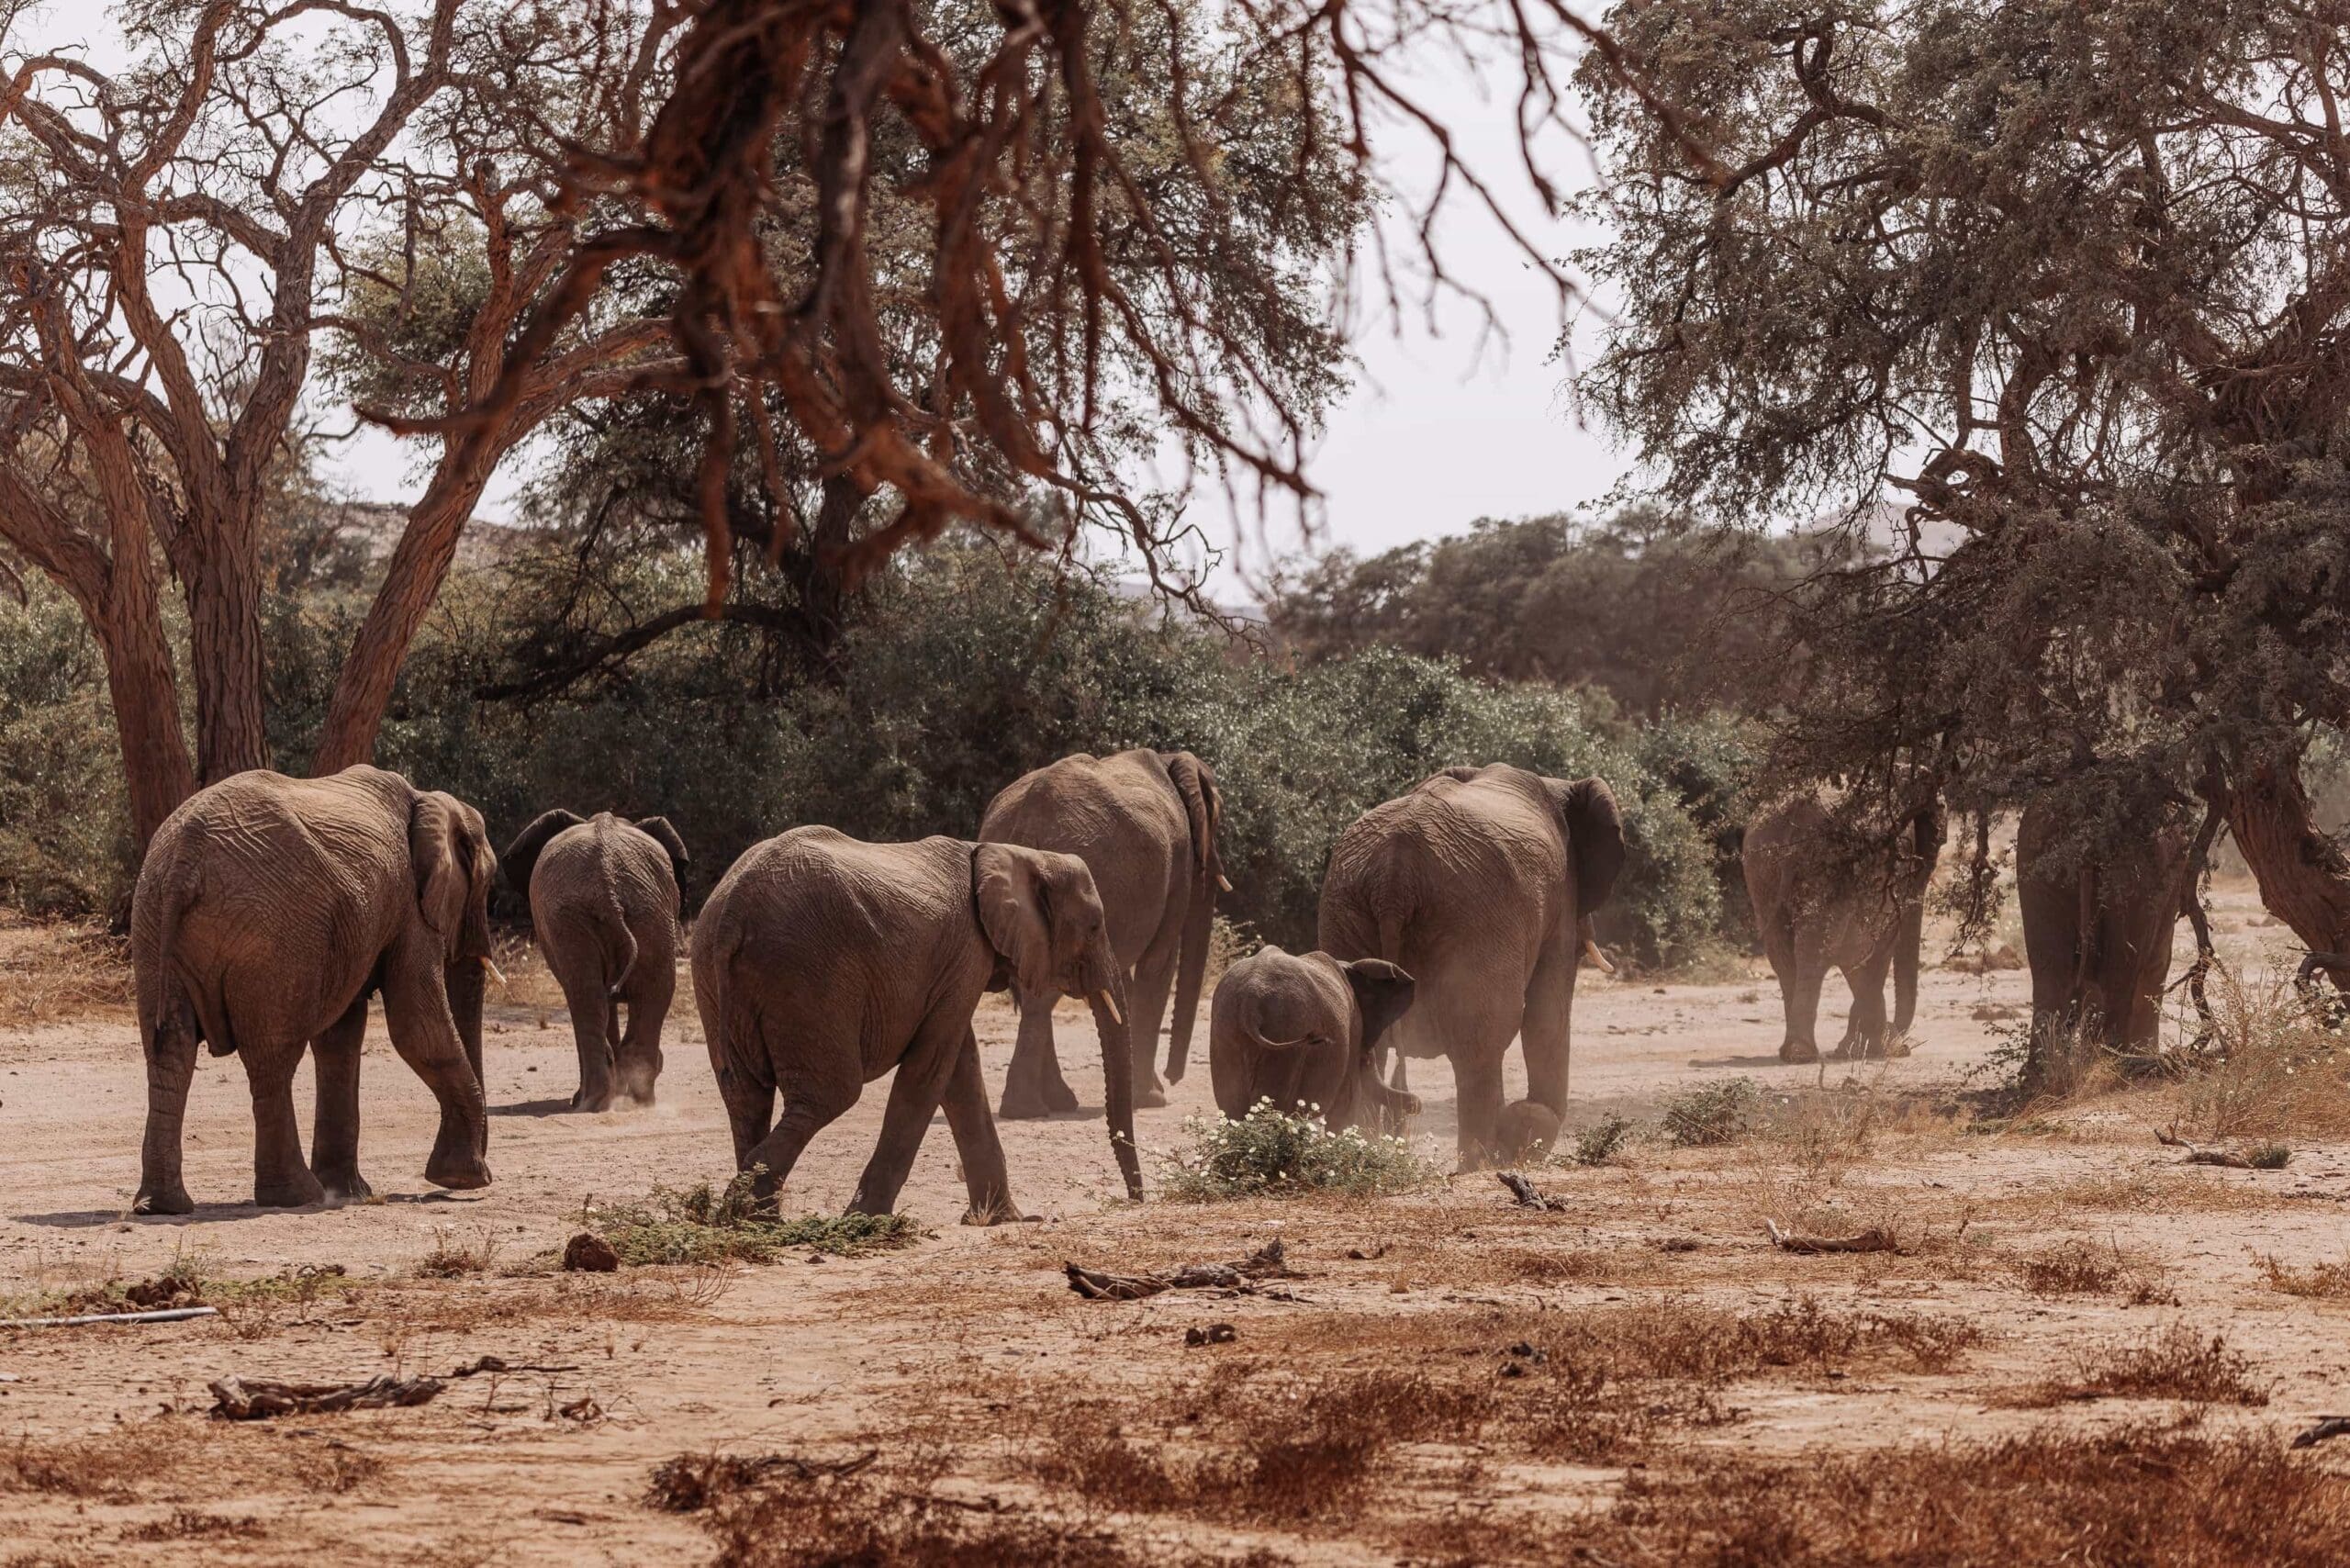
(178, 1004)
(621, 948)
(1203, 811)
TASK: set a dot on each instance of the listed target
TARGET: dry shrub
(52, 973)
(192, 1524)
(113, 1464)
(2121, 1497)
(2177, 1363)
(452, 1258)
(2318, 1282)
(2273, 1067)
(2065, 1269)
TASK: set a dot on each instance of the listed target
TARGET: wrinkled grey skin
(2107, 928)
(1477, 883)
(1829, 893)
(604, 903)
(268, 910)
(821, 963)
(1145, 824)
(1298, 1029)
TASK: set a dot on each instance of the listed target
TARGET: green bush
(707, 1225)
(1712, 1113)
(1270, 1154)
(64, 817)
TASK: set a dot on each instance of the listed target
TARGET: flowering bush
(1270, 1153)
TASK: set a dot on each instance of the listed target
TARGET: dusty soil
(968, 1353)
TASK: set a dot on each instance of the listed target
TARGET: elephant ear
(521, 857)
(450, 855)
(1595, 837)
(1202, 804)
(1382, 992)
(1009, 888)
(658, 830)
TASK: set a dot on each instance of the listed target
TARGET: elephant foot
(1799, 1051)
(170, 1200)
(1026, 1107)
(1149, 1094)
(1000, 1211)
(1059, 1098)
(591, 1101)
(344, 1186)
(1898, 1045)
(294, 1192)
(462, 1172)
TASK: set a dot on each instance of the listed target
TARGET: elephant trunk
(466, 980)
(1112, 1021)
(1191, 970)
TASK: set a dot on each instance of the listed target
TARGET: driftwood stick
(235, 1399)
(2327, 1427)
(2198, 1156)
(163, 1314)
(1876, 1238)
(1527, 1195)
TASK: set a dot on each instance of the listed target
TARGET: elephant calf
(268, 910)
(1299, 1029)
(821, 963)
(2098, 921)
(604, 905)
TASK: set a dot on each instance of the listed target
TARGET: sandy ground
(821, 1355)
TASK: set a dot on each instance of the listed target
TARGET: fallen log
(1527, 1195)
(1270, 1261)
(2225, 1159)
(238, 1400)
(2327, 1427)
(1875, 1238)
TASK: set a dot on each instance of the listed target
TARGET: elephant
(267, 913)
(1145, 823)
(1835, 885)
(821, 962)
(2099, 921)
(1477, 882)
(604, 908)
(1298, 1029)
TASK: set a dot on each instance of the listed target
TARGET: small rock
(589, 1253)
(1512, 1368)
(1214, 1334)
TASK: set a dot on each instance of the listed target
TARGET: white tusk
(1222, 881)
(1110, 1004)
(494, 972)
(1591, 950)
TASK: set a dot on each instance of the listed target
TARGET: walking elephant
(2098, 920)
(604, 906)
(1299, 1029)
(821, 963)
(1835, 886)
(1477, 883)
(1145, 824)
(268, 910)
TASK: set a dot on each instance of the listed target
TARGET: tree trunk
(2304, 878)
(419, 566)
(146, 700)
(231, 666)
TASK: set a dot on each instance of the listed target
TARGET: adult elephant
(604, 906)
(1145, 824)
(1477, 883)
(2099, 915)
(268, 911)
(1836, 886)
(821, 963)
(1299, 1029)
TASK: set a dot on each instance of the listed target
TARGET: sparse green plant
(1711, 1113)
(1268, 1153)
(1603, 1141)
(702, 1224)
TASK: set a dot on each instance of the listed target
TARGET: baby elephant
(604, 906)
(1298, 1030)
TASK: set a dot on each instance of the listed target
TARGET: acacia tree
(177, 242)
(2068, 281)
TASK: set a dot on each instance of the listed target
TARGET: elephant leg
(593, 1028)
(416, 1015)
(750, 1112)
(809, 1107)
(171, 1067)
(985, 1176)
(1799, 984)
(914, 1097)
(1154, 981)
(639, 1058)
(1477, 1081)
(334, 1131)
(1550, 1003)
(281, 1179)
(1033, 1087)
(1866, 1029)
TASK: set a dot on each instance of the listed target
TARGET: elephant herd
(270, 911)
(1453, 920)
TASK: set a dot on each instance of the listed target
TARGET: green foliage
(1712, 1113)
(1269, 1154)
(64, 820)
(707, 1225)
(1604, 1141)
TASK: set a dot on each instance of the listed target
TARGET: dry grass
(49, 974)
(2276, 1071)
(194, 1523)
(2177, 1363)
(2126, 1497)
(2318, 1282)
(453, 1258)
(166, 1451)
(2076, 1269)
